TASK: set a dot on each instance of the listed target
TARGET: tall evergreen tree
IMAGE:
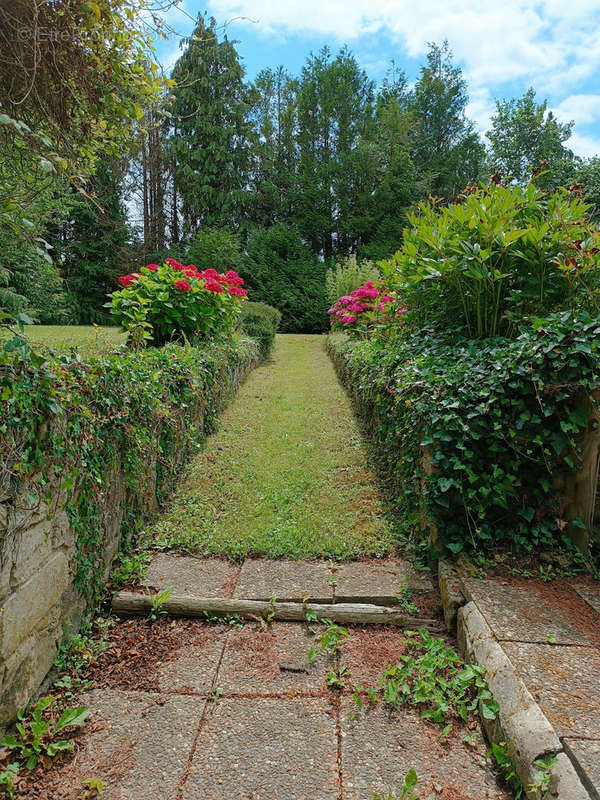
(445, 148)
(92, 245)
(210, 147)
(274, 157)
(335, 108)
(523, 134)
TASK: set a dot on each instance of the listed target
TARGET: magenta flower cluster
(361, 301)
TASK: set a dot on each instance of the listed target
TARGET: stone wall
(39, 605)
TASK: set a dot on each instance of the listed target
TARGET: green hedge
(71, 422)
(260, 322)
(502, 420)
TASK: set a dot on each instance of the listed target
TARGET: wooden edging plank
(134, 604)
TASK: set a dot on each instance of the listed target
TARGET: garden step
(374, 581)
(136, 604)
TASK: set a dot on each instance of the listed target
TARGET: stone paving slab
(377, 581)
(271, 660)
(286, 580)
(378, 750)
(139, 748)
(202, 577)
(590, 593)
(565, 683)
(266, 749)
(367, 652)
(194, 668)
(585, 754)
(527, 611)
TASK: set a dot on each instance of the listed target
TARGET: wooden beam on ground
(130, 604)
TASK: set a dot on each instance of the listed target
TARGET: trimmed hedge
(260, 322)
(74, 422)
(501, 421)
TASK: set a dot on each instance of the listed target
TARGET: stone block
(26, 609)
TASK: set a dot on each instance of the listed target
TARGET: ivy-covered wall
(485, 443)
(87, 452)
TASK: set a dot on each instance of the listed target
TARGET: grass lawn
(85, 339)
(286, 473)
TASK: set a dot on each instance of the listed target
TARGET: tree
(445, 148)
(92, 245)
(335, 109)
(274, 162)
(523, 134)
(279, 269)
(210, 114)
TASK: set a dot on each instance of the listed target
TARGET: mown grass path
(286, 473)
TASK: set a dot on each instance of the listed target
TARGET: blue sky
(503, 46)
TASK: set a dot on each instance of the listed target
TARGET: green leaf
(71, 716)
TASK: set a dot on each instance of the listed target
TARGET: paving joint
(520, 724)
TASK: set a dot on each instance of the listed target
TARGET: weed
(94, 790)
(404, 598)
(213, 697)
(158, 602)
(331, 639)
(507, 768)
(335, 678)
(8, 777)
(407, 792)
(130, 569)
(547, 573)
(82, 649)
(432, 676)
(543, 775)
(37, 732)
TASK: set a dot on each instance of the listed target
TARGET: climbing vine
(500, 418)
(71, 426)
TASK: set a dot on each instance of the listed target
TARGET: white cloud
(582, 145)
(584, 109)
(537, 41)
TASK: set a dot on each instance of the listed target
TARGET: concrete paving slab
(139, 745)
(529, 611)
(585, 754)
(271, 660)
(367, 652)
(202, 577)
(194, 667)
(379, 749)
(286, 580)
(377, 581)
(267, 749)
(590, 593)
(564, 682)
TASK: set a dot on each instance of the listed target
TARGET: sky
(502, 46)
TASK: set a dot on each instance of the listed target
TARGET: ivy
(71, 424)
(500, 419)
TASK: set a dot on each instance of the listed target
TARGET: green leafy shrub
(174, 300)
(501, 418)
(215, 248)
(260, 322)
(69, 422)
(283, 272)
(502, 256)
(348, 275)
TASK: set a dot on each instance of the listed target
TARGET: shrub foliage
(501, 417)
(69, 421)
(260, 322)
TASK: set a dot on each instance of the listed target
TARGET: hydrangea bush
(366, 309)
(173, 300)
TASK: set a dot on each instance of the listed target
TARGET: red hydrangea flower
(233, 278)
(236, 291)
(175, 264)
(152, 267)
(211, 274)
(182, 285)
(213, 286)
(127, 280)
